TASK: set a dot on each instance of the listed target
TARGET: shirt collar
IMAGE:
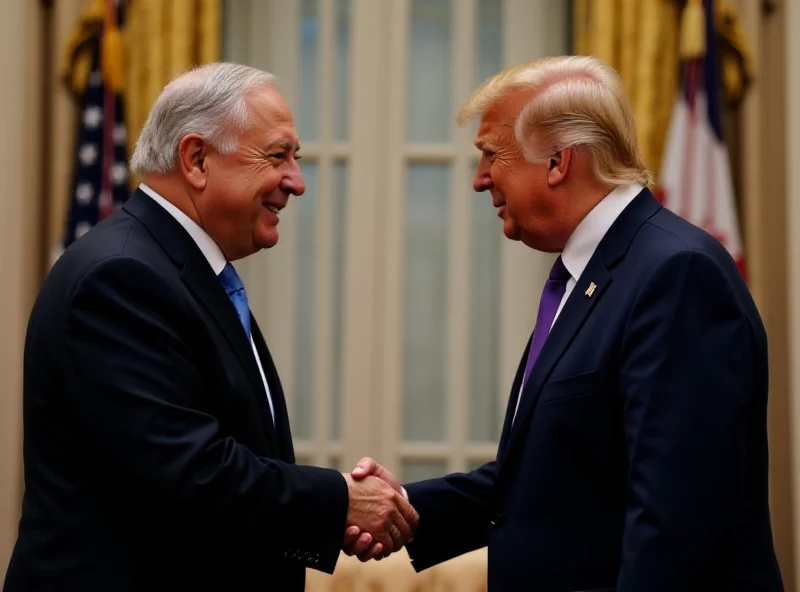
(210, 249)
(587, 236)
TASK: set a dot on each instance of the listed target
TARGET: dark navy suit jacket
(151, 459)
(638, 458)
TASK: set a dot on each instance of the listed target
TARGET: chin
(511, 231)
(267, 240)
(541, 244)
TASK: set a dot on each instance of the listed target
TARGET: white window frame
(371, 378)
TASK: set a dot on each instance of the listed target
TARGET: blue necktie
(235, 289)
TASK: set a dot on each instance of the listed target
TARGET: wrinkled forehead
(270, 115)
(498, 119)
(489, 137)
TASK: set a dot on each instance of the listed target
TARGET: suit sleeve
(134, 383)
(454, 513)
(688, 371)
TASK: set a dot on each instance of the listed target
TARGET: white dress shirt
(586, 237)
(584, 240)
(216, 259)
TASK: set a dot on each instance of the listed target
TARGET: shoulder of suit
(122, 243)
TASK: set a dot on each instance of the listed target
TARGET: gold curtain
(159, 40)
(163, 40)
(642, 40)
(466, 573)
(639, 38)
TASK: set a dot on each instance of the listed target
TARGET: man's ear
(558, 166)
(193, 161)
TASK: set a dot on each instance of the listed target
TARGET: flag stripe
(696, 180)
(711, 71)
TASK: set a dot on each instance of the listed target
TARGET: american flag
(695, 179)
(100, 179)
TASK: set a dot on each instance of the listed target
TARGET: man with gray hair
(158, 454)
(634, 451)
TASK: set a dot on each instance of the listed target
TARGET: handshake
(380, 520)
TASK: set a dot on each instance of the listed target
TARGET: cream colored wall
(60, 145)
(763, 184)
(770, 161)
(20, 232)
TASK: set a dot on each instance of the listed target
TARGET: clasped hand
(380, 521)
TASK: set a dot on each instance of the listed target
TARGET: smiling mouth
(273, 209)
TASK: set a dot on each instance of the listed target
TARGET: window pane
(341, 79)
(309, 70)
(305, 233)
(487, 234)
(488, 43)
(489, 25)
(429, 104)
(419, 470)
(425, 301)
(339, 234)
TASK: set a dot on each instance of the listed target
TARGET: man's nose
(293, 181)
(482, 180)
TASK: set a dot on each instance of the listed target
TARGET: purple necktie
(553, 292)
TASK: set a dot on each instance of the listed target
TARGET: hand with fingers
(380, 520)
(362, 543)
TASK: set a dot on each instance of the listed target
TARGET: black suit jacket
(638, 458)
(151, 459)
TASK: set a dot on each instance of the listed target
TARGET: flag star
(88, 154)
(84, 193)
(82, 228)
(92, 117)
(95, 78)
(119, 134)
(118, 173)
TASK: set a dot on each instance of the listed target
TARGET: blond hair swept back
(579, 102)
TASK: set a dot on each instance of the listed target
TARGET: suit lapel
(512, 403)
(203, 283)
(588, 291)
(570, 320)
(200, 278)
(276, 393)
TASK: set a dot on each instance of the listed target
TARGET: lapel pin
(590, 290)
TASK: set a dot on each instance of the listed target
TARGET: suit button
(496, 520)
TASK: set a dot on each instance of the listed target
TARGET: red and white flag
(695, 180)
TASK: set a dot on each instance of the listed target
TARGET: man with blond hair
(634, 451)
